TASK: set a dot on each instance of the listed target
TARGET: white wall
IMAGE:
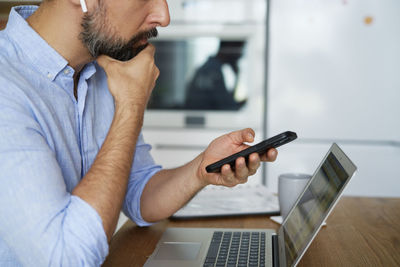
(334, 77)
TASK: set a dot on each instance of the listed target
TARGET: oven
(211, 59)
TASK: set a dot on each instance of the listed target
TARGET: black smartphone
(260, 148)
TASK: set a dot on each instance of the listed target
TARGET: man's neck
(58, 22)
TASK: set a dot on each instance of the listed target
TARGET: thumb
(241, 136)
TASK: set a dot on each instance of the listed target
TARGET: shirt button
(66, 72)
(49, 75)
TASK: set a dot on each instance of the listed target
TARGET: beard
(101, 39)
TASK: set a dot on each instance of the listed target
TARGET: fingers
(242, 170)
(150, 49)
(131, 82)
(104, 60)
(240, 174)
(254, 163)
(270, 156)
(228, 176)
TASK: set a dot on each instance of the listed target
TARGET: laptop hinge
(275, 251)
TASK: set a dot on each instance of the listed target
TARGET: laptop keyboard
(239, 249)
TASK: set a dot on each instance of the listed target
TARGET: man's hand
(227, 145)
(168, 190)
(131, 82)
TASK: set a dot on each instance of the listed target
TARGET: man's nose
(160, 13)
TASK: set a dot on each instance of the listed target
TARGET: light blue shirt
(48, 142)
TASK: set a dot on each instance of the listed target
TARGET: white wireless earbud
(83, 5)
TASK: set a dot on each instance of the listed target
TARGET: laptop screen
(317, 200)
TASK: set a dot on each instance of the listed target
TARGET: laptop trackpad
(178, 251)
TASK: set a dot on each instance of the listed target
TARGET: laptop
(211, 247)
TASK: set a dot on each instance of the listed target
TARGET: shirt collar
(42, 56)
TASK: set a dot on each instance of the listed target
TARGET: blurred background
(328, 70)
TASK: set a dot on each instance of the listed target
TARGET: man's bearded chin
(99, 44)
(130, 49)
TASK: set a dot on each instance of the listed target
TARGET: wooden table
(359, 232)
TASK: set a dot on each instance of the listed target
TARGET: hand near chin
(131, 82)
(227, 145)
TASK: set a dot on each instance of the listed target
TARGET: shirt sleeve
(143, 168)
(40, 222)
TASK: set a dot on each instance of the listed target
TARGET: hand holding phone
(259, 148)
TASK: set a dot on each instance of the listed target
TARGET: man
(71, 152)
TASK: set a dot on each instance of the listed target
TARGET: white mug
(290, 186)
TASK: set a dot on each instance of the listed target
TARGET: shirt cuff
(133, 196)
